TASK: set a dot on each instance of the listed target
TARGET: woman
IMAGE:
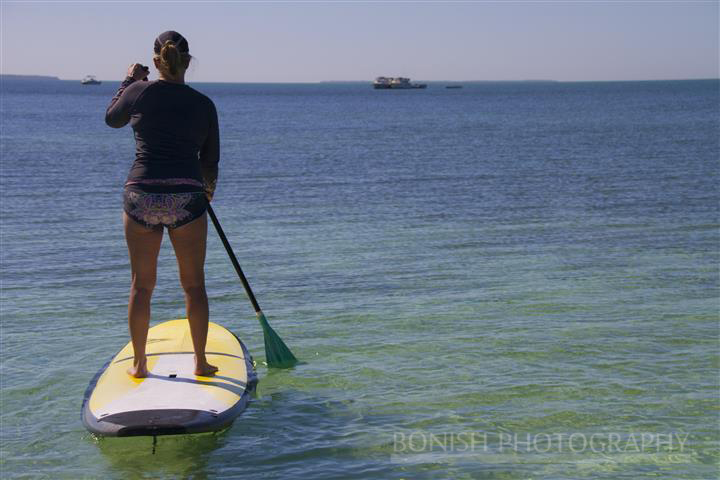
(170, 184)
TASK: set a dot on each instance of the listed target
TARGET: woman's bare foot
(139, 369)
(204, 369)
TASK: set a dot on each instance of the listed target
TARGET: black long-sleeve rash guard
(176, 135)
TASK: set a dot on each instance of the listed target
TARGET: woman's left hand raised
(138, 71)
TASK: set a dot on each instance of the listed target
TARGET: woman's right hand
(138, 71)
(209, 188)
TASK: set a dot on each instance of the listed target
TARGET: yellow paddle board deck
(171, 399)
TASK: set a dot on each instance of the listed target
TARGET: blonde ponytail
(171, 61)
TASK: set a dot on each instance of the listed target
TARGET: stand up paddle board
(171, 399)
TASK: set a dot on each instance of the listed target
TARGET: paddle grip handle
(233, 259)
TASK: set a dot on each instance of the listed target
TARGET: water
(505, 263)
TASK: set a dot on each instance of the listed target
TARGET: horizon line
(313, 82)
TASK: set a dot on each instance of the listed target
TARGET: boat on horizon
(395, 83)
(90, 80)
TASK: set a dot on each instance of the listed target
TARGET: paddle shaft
(233, 259)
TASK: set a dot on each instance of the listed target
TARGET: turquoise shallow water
(511, 280)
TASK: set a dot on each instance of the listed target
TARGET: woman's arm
(118, 113)
(210, 153)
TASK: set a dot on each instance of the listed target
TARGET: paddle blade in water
(277, 354)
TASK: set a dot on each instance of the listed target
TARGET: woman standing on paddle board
(169, 185)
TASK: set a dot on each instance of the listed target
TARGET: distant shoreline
(8, 76)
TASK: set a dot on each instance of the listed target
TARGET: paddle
(277, 354)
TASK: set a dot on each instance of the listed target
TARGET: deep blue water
(505, 259)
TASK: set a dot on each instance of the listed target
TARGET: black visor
(180, 42)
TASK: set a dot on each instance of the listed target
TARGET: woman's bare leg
(189, 242)
(143, 247)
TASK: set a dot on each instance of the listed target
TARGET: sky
(235, 41)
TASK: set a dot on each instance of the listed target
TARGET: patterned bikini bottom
(171, 210)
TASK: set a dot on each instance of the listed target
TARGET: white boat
(399, 83)
(90, 80)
